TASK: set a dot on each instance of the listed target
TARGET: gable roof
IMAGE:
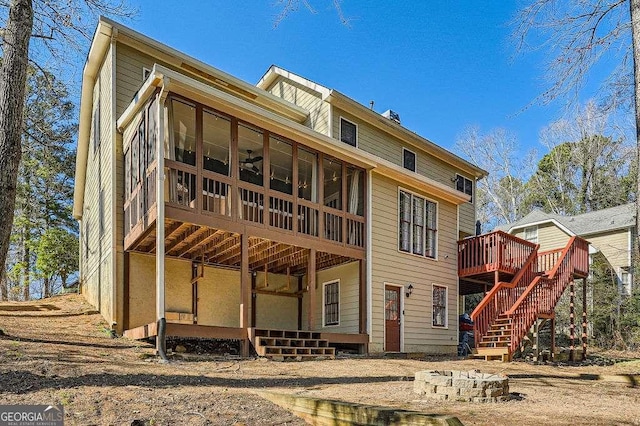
(366, 114)
(595, 222)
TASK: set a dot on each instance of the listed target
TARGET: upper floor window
(418, 225)
(348, 132)
(408, 159)
(531, 234)
(464, 185)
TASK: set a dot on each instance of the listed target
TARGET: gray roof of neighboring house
(623, 216)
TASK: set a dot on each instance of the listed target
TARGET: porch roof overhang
(172, 81)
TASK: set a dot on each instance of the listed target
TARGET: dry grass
(63, 356)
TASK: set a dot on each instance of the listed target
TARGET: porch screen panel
(281, 165)
(250, 145)
(355, 191)
(332, 183)
(216, 138)
(183, 121)
(307, 175)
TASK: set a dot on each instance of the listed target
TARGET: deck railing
(534, 289)
(497, 251)
(502, 296)
(543, 293)
(268, 208)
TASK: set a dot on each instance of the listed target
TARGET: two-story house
(282, 214)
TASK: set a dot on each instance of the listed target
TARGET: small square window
(348, 132)
(464, 185)
(408, 159)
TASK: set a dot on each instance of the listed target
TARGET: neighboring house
(610, 232)
(282, 206)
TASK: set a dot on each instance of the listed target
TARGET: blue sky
(441, 65)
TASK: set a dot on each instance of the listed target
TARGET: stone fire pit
(471, 386)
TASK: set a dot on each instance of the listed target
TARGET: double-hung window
(417, 228)
(331, 309)
(439, 306)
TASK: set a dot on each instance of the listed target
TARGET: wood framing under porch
(238, 281)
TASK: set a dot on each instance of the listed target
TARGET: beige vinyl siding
(550, 237)
(349, 276)
(306, 98)
(614, 246)
(383, 145)
(390, 266)
(97, 265)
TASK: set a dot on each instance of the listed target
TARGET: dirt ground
(57, 351)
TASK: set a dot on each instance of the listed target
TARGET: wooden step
(290, 344)
(488, 354)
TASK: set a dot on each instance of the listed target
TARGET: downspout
(160, 246)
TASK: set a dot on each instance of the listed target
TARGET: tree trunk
(634, 7)
(13, 77)
(26, 260)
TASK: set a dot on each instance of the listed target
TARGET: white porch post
(160, 243)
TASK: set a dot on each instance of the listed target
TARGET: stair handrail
(487, 309)
(550, 276)
(563, 269)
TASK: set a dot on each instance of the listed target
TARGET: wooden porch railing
(503, 295)
(259, 206)
(497, 251)
(543, 293)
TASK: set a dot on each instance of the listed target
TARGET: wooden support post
(254, 297)
(300, 288)
(553, 338)
(572, 321)
(584, 319)
(362, 305)
(536, 340)
(245, 294)
(311, 283)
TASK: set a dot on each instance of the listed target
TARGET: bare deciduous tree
(500, 195)
(45, 33)
(578, 33)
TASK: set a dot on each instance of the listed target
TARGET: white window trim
(446, 307)
(324, 294)
(145, 73)
(524, 234)
(415, 160)
(411, 253)
(623, 291)
(340, 130)
(402, 316)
